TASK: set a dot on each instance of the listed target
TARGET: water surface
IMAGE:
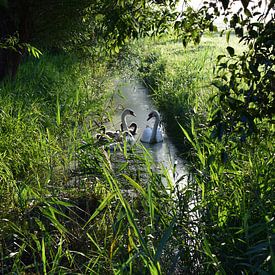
(133, 95)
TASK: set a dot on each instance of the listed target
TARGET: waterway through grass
(134, 95)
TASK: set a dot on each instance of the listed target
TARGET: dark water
(133, 95)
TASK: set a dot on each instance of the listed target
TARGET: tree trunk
(13, 23)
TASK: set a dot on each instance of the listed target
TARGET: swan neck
(124, 123)
(154, 131)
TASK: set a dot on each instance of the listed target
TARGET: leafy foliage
(233, 181)
(220, 222)
(87, 26)
(191, 25)
(246, 82)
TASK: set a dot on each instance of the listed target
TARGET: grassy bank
(67, 206)
(42, 112)
(70, 207)
(233, 178)
(46, 112)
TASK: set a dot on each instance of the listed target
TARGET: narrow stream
(133, 95)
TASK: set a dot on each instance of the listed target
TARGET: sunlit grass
(67, 206)
(227, 173)
(64, 207)
(42, 114)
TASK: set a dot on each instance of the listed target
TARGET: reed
(233, 200)
(42, 115)
(68, 206)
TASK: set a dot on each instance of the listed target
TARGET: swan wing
(146, 135)
(129, 138)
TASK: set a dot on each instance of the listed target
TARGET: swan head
(133, 128)
(153, 114)
(123, 118)
(128, 112)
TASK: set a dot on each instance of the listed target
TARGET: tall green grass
(127, 226)
(41, 114)
(71, 207)
(67, 205)
(42, 117)
(234, 179)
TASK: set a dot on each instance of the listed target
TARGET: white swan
(125, 113)
(126, 133)
(152, 135)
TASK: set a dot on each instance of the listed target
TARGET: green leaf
(228, 36)
(43, 256)
(163, 241)
(245, 3)
(100, 207)
(225, 4)
(58, 113)
(247, 13)
(231, 51)
(116, 49)
(135, 185)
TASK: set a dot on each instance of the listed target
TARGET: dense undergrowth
(45, 114)
(67, 206)
(235, 175)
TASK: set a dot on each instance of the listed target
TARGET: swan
(113, 134)
(107, 135)
(125, 135)
(152, 135)
(126, 112)
(132, 128)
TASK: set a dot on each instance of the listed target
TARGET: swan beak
(133, 113)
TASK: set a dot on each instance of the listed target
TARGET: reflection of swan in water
(152, 135)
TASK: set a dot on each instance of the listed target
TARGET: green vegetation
(233, 176)
(42, 114)
(90, 26)
(180, 79)
(69, 206)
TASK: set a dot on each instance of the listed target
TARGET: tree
(75, 24)
(246, 82)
